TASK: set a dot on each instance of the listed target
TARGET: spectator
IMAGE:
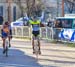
(49, 23)
(58, 24)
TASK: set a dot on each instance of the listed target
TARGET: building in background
(52, 8)
(15, 9)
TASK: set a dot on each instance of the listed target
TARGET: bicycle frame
(36, 48)
(6, 46)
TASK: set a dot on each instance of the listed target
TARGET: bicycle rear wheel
(6, 47)
(6, 51)
(36, 48)
(37, 55)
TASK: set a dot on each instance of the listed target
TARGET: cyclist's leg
(10, 37)
(33, 44)
(3, 44)
(39, 44)
(33, 41)
(3, 39)
(9, 41)
(4, 36)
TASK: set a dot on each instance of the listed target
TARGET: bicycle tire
(6, 47)
(6, 51)
(36, 48)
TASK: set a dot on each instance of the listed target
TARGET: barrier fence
(21, 31)
(47, 33)
(25, 31)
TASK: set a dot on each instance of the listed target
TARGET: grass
(71, 44)
(64, 43)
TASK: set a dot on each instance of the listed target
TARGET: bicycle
(36, 46)
(6, 46)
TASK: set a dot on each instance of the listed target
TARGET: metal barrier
(56, 32)
(46, 33)
(25, 31)
(21, 31)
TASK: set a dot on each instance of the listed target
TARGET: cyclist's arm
(30, 21)
(42, 17)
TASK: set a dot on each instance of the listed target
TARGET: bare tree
(19, 3)
(33, 8)
(9, 9)
(70, 4)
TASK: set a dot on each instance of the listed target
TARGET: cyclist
(35, 31)
(5, 31)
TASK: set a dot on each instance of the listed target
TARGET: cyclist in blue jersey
(35, 31)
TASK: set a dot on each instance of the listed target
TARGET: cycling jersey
(35, 25)
(5, 32)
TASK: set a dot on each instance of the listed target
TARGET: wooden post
(62, 8)
(57, 8)
(9, 10)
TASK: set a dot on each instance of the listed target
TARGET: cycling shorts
(35, 33)
(4, 34)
